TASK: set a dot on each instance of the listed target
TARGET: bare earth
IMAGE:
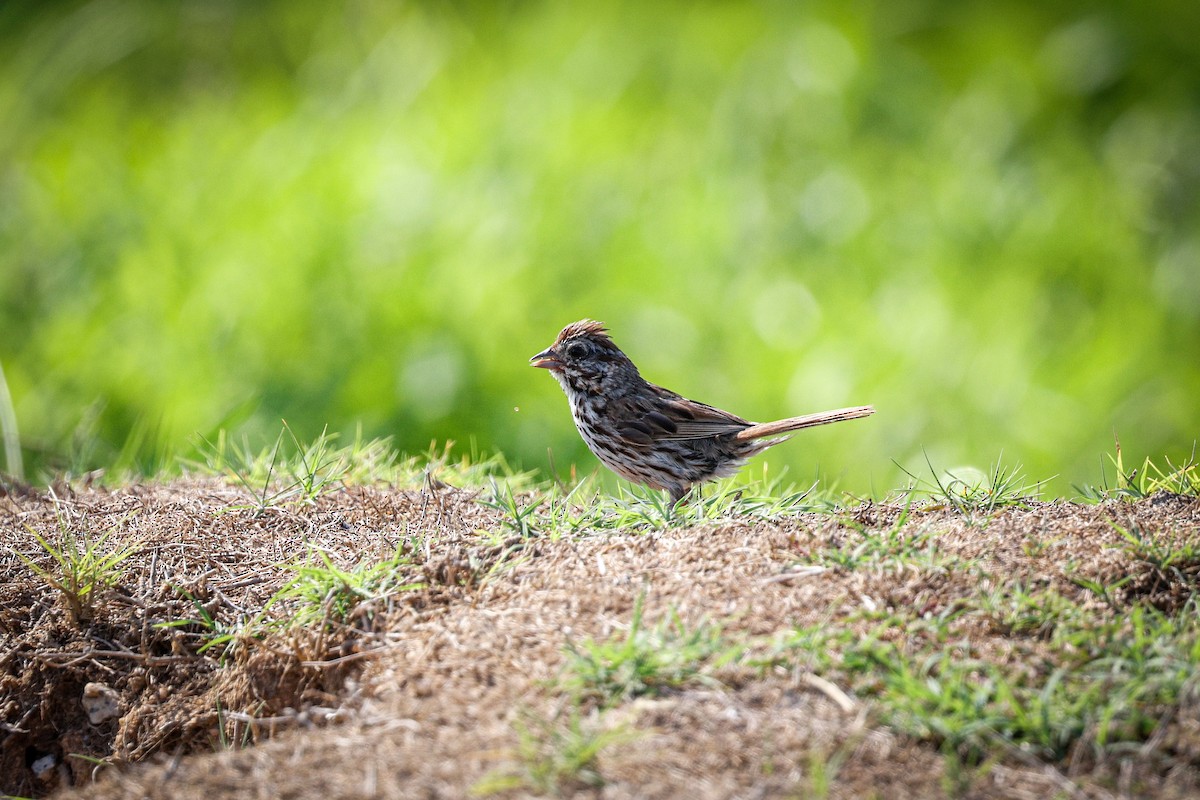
(457, 686)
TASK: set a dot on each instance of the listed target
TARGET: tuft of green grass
(520, 518)
(320, 595)
(472, 469)
(645, 660)
(288, 471)
(970, 491)
(811, 647)
(557, 756)
(212, 632)
(1109, 681)
(291, 471)
(959, 776)
(766, 498)
(83, 566)
(322, 592)
(557, 510)
(241, 730)
(896, 548)
(1164, 552)
(1165, 570)
(1144, 481)
(1110, 591)
(825, 764)
(1017, 610)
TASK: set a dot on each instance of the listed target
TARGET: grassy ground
(342, 623)
(980, 217)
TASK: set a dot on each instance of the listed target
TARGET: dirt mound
(474, 675)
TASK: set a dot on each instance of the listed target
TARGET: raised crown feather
(584, 327)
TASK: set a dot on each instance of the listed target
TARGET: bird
(650, 435)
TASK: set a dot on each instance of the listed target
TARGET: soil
(448, 688)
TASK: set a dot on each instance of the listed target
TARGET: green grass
(556, 756)
(891, 550)
(209, 631)
(557, 509)
(896, 548)
(1019, 610)
(1109, 681)
(970, 491)
(14, 463)
(1168, 552)
(320, 597)
(83, 566)
(322, 594)
(287, 470)
(645, 661)
(275, 476)
(373, 215)
(1089, 685)
(290, 471)
(1075, 680)
(1144, 481)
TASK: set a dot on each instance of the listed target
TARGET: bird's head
(582, 355)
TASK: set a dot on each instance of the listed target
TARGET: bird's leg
(679, 497)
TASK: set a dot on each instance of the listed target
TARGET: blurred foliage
(980, 216)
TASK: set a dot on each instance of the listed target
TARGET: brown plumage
(651, 435)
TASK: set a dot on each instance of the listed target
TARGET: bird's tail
(808, 421)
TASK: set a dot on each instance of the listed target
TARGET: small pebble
(100, 702)
(44, 766)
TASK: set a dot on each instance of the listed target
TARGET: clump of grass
(645, 660)
(892, 550)
(558, 509)
(83, 566)
(1018, 610)
(811, 647)
(290, 471)
(320, 595)
(1167, 553)
(521, 518)
(575, 509)
(767, 498)
(1144, 481)
(1110, 681)
(226, 724)
(287, 471)
(557, 756)
(472, 469)
(212, 632)
(1163, 570)
(970, 491)
(897, 548)
(322, 592)
(1108, 590)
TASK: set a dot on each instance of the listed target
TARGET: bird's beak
(547, 359)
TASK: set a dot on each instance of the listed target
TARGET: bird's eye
(576, 350)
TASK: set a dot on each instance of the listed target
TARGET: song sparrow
(651, 435)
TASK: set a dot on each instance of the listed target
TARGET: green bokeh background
(982, 217)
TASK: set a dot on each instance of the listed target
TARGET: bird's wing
(643, 419)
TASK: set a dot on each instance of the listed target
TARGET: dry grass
(458, 685)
